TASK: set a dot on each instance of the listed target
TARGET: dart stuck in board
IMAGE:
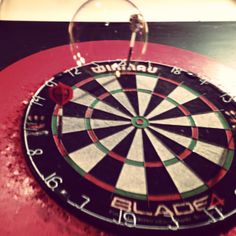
(60, 93)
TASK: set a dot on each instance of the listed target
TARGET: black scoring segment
(175, 112)
(150, 153)
(163, 88)
(155, 101)
(105, 132)
(76, 140)
(123, 147)
(107, 170)
(129, 82)
(159, 182)
(72, 109)
(99, 91)
(169, 143)
(203, 167)
(197, 106)
(98, 114)
(177, 129)
(214, 136)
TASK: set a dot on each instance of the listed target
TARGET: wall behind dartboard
(213, 39)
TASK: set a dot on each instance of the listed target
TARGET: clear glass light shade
(108, 20)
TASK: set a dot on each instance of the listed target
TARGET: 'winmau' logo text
(123, 67)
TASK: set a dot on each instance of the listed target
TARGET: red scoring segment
(139, 122)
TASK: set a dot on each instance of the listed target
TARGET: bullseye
(140, 122)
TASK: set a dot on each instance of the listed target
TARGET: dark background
(214, 39)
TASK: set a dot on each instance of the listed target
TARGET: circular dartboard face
(148, 146)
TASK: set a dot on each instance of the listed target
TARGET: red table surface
(25, 209)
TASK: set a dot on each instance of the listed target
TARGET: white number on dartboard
(128, 218)
(37, 100)
(87, 200)
(53, 181)
(36, 152)
(50, 83)
(203, 81)
(176, 223)
(226, 98)
(176, 71)
(73, 71)
(82, 206)
(212, 217)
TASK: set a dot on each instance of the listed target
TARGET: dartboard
(146, 146)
